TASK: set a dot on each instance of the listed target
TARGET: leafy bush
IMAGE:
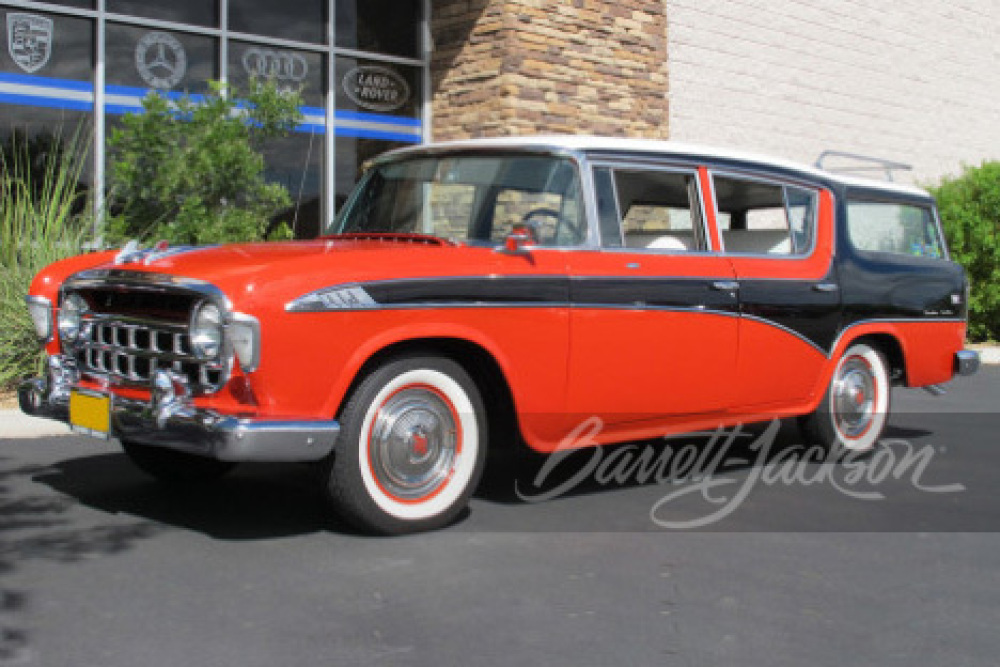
(192, 171)
(970, 213)
(44, 217)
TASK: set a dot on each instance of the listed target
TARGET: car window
(469, 198)
(650, 209)
(902, 229)
(762, 218)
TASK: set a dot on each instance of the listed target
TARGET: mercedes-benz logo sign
(161, 60)
(283, 66)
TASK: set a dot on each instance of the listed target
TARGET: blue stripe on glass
(47, 102)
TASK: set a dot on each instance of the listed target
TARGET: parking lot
(755, 554)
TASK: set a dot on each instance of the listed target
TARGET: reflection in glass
(299, 20)
(296, 162)
(42, 130)
(196, 12)
(379, 26)
(168, 61)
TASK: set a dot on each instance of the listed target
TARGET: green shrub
(44, 217)
(970, 213)
(192, 171)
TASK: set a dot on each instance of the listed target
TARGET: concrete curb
(16, 424)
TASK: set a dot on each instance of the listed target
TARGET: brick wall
(910, 81)
(503, 67)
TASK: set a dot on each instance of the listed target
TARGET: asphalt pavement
(733, 548)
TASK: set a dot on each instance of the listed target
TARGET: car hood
(272, 273)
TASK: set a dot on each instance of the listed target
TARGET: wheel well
(484, 370)
(893, 353)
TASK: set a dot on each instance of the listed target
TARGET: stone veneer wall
(503, 67)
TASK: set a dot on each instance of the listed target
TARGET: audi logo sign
(376, 88)
(285, 66)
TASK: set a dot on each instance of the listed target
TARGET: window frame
(774, 180)
(701, 231)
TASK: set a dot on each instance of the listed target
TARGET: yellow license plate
(90, 414)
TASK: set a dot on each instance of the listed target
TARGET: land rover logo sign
(376, 88)
(29, 40)
(161, 60)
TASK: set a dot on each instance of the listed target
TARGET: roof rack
(869, 164)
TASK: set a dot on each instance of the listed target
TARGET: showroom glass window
(53, 55)
(195, 12)
(366, 25)
(295, 161)
(297, 20)
(151, 59)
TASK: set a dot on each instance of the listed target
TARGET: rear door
(778, 236)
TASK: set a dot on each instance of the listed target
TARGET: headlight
(244, 335)
(206, 331)
(71, 317)
(40, 310)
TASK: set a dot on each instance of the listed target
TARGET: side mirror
(519, 240)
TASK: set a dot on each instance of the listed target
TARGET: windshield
(475, 199)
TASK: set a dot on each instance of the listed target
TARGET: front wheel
(855, 407)
(411, 448)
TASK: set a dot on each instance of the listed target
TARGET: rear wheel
(411, 449)
(173, 467)
(855, 408)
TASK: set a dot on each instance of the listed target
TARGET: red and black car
(526, 284)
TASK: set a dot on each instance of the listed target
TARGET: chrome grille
(130, 351)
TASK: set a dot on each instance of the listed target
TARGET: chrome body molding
(343, 297)
(171, 420)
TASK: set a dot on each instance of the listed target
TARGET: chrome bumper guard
(170, 420)
(966, 362)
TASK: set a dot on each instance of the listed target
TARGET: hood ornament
(133, 253)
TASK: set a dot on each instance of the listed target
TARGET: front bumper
(966, 362)
(170, 420)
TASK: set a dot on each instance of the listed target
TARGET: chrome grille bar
(131, 350)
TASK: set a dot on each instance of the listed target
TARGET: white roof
(593, 143)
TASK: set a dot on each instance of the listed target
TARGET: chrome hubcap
(413, 443)
(854, 398)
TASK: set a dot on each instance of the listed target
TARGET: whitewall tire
(855, 408)
(411, 449)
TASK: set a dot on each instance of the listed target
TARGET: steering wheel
(535, 226)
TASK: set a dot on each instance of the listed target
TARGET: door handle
(825, 287)
(725, 285)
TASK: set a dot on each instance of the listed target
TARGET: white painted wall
(916, 81)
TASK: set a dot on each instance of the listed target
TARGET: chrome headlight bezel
(207, 331)
(70, 319)
(40, 310)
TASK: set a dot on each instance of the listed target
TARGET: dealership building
(910, 82)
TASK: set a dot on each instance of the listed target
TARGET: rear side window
(902, 229)
(757, 217)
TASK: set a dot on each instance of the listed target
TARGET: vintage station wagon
(476, 292)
